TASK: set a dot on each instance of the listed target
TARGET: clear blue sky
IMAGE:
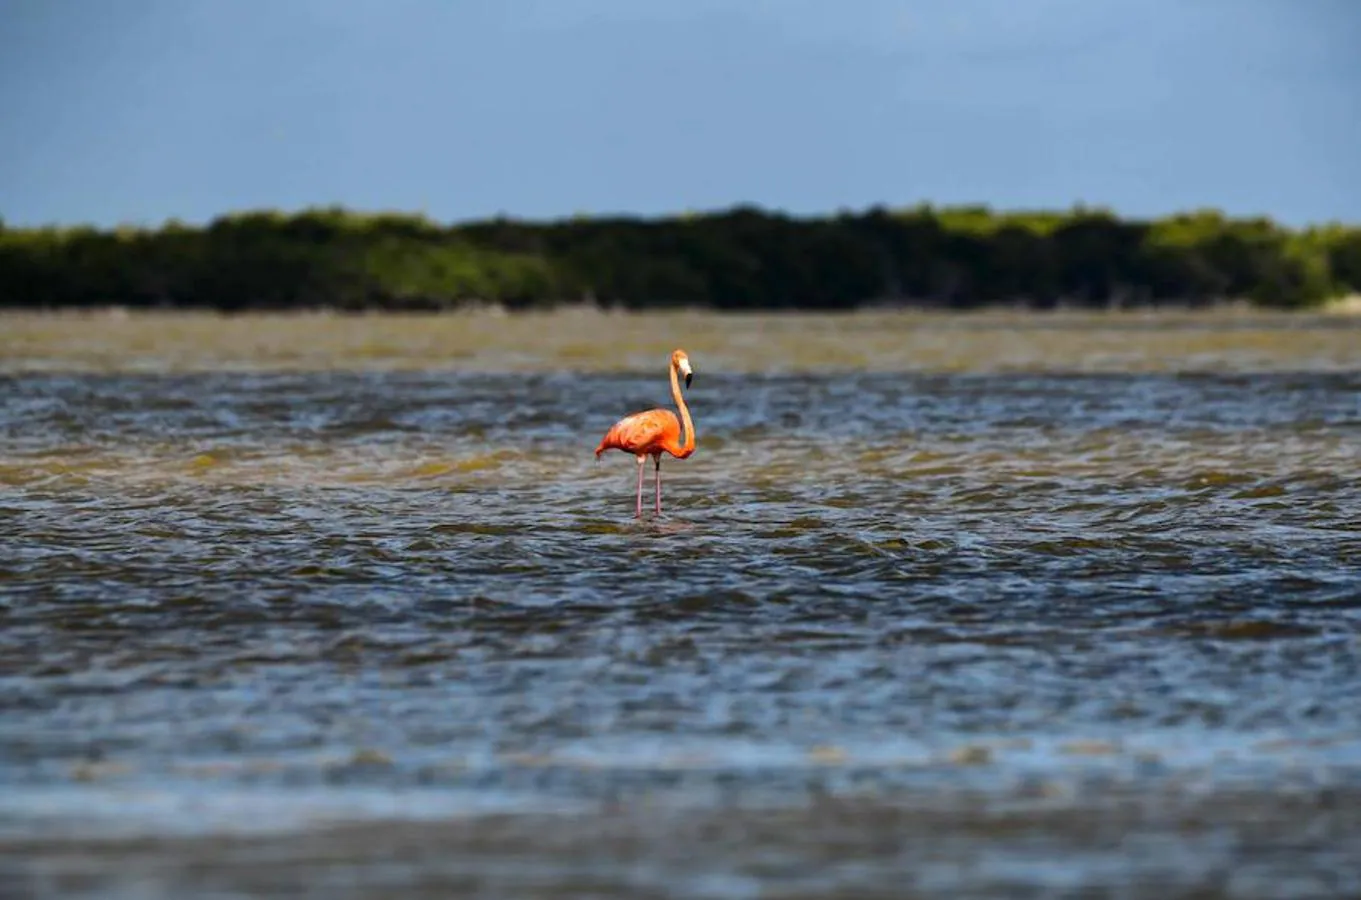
(142, 110)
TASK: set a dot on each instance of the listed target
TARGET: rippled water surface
(962, 606)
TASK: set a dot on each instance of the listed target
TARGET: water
(969, 606)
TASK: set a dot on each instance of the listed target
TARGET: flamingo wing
(641, 432)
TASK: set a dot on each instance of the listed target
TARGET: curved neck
(688, 446)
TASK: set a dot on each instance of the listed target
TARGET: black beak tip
(687, 380)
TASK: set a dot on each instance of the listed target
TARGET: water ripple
(965, 591)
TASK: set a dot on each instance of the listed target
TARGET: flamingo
(648, 433)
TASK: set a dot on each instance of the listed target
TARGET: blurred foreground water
(993, 605)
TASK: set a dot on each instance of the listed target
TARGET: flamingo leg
(639, 513)
(658, 460)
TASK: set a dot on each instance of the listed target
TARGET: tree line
(739, 259)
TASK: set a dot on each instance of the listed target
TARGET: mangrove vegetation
(739, 259)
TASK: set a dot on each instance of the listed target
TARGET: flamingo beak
(685, 370)
(688, 376)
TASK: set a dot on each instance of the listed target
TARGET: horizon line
(1074, 208)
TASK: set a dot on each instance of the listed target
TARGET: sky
(140, 111)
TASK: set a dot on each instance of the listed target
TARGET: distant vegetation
(739, 259)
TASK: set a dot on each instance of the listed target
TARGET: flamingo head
(682, 364)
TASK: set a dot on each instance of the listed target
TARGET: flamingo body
(645, 433)
(654, 432)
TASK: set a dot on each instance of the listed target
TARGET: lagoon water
(989, 605)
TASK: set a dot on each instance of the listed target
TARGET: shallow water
(968, 605)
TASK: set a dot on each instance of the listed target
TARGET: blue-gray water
(1071, 607)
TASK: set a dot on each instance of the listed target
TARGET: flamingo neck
(688, 446)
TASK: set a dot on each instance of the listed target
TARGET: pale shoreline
(1225, 339)
(1347, 306)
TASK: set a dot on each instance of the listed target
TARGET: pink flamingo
(648, 433)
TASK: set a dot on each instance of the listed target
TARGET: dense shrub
(738, 259)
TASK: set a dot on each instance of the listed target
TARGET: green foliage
(738, 259)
